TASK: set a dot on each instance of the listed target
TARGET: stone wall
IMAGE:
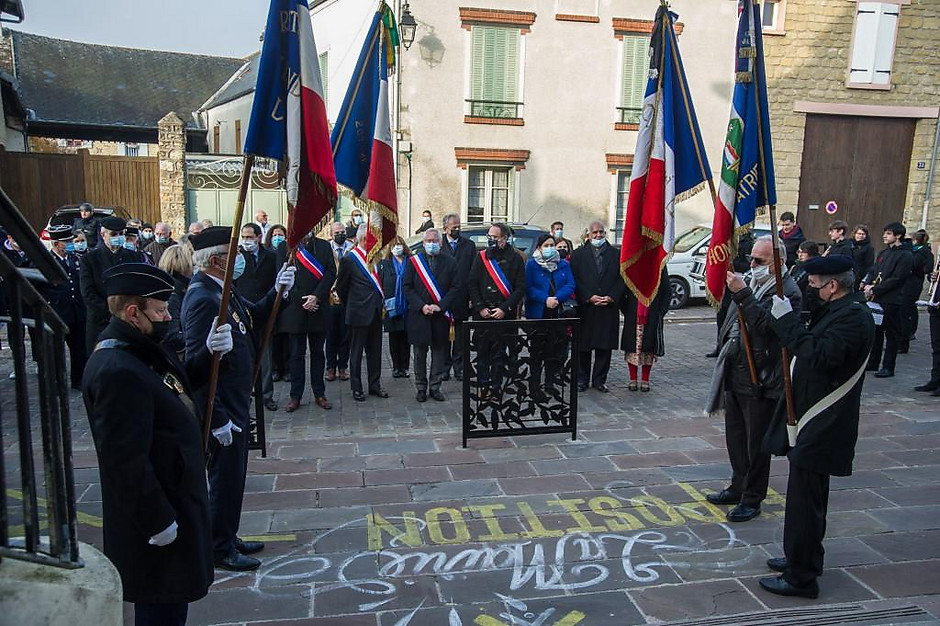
(810, 62)
(172, 153)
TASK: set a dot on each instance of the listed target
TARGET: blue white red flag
(362, 139)
(288, 117)
(669, 164)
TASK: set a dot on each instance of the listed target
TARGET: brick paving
(375, 515)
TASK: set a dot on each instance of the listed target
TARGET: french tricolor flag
(288, 117)
(362, 137)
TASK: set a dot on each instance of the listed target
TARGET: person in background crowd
(261, 219)
(177, 261)
(392, 274)
(549, 286)
(463, 252)
(838, 244)
(132, 241)
(807, 250)
(791, 235)
(933, 314)
(146, 234)
(828, 363)
(228, 447)
(356, 220)
(87, 224)
(81, 244)
(256, 280)
(276, 242)
(496, 285)
(162, 239)
(66, 300)
(740, 265)
(207, 223)
(150, 456)
(863, 253)
(305, 320)
(360, 289)
(557, 231)
(564, 248)
(427, 324)
(885, 286)
(426, 224)
(749, 405)
(596, 269)
(922, 266)
(195, 228)
(337, 336)
(93, 265)
(642, 339)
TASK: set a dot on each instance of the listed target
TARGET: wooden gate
(40, 183)
(859, 163)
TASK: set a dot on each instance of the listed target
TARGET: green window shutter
(636, 65)
(494, 71)
(511, 71)
(477, 52)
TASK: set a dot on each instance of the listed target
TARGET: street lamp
(407, 26)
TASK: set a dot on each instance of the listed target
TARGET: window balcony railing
(494, 109)
(630, 115)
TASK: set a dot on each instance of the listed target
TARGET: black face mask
(339, 239)
(455, 234)
(160, 330)
(562, 253)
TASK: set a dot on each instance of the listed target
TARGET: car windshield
(689, 238)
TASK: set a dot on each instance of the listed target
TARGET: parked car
(67, 215)
(696, 271)
(524, 236)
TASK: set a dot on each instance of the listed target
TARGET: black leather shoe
(437, 395)
(781, 587)
(270, 405)
(713, 354)
(275, 377)
(582, 388)
(358, 396)
(421, 396)
(602, 388)
(725, 496)
(248, 547)
(884, 373)
(236, 562)
(378, 393)
(931, 386)
(445, 377)
(777, 564)
(396, 374)
(743, 513)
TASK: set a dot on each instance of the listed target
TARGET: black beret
(113, 223)
(132, 230)
(828, 265)
(61, 232)
(138, 279)
(145, 226)
(213, 236)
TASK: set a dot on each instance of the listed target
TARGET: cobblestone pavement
(374, 514)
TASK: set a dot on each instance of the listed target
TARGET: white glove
(781, 307)
(224, 434)
(219, 339)
(286, 278)
(165, 537)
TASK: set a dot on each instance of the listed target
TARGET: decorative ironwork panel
(224, 172)
(494, 108)
(520, 377)
(629, 115)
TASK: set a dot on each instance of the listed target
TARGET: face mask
(160, 330)
(277, 240)
(550, 253)
(147, 235)
(597, 243)
(130, 245)
(117, 241)
(427, 218)
(357, 219)
(397, 250)
(70, 247)
(559, 233)
(239, 268)
(455, 234)
(80, 246)
(339, 239)
(760, 273)
(562, 253)
(492, 243)
(162, 239)
(250, 245)
(433, 248)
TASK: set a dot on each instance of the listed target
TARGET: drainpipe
(930, 175)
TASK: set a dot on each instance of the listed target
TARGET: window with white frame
(623, 193)
(772, 16)
(876, 26)
(634, 75)
(489, 194)
(494, 72)
(325, 78)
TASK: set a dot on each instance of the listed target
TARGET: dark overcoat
(828, 354)
(294, 318)
(66, 298)
(482, 288)
(93, 265)
(464, 254)
(599, 324)
(152, 468)
(259, 274)
(363, 302)
(424, 330)
(653, 340)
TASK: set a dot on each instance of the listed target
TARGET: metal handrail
(503, 109)
(630, 115)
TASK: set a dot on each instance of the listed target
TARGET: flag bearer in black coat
(94, 263)
(305, 320)
(492, 300)
(428, 324)
(463, 252)
(228, 446)
(66, 300)
(150, 457)
(828, 373)
(885, 285)
(596, 269)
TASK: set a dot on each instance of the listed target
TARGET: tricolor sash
(430, 283)
(496, 273)
(360, 258)
(310, 263)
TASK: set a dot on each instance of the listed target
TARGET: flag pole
(226, 293)
(742, 325)
(272, 317)
(772, 209)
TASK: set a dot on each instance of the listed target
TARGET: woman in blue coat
(549, 290)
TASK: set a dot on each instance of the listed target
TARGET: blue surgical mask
(162, 239)
(357, 219)
(397, 250)
(80, 246)
(70, 247)
(433, 248)
(277, 240)
(559, 233)
(117, 241)
(550, 253)
(130, 245)
(597, 243)
(239, 268)
(147, 235)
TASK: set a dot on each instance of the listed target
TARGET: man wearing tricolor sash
(431, 287)
(497, 289)
(360, 289)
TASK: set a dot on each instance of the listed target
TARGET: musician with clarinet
(933, 314)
